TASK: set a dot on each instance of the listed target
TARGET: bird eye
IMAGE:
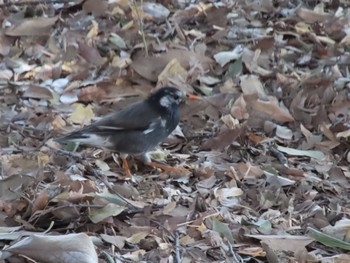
(176, 97)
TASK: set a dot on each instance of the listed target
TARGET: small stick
(67, 153)
(22, 3)
(177, 247)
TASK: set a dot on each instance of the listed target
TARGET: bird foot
(167, 168)
(164, 167)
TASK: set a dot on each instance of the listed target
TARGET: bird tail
(73, 137)
(89, 139)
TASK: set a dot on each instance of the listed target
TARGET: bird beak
(192, 97)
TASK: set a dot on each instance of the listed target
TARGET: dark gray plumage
(135, 129)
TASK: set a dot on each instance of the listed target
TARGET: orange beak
(192, 97)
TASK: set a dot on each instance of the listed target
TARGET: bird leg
(124, 164)
(126, 167)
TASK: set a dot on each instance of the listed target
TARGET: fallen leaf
(136, 238)
(222, 58)
(313, 154)
(39, 26)
(57, 249)
(172, 70)
(284, 242)
(251, 84)
(310, 16)
(97, 215)
(82, 114)
(118, 241)
(36, 92)
(222, 229)
(151, 67)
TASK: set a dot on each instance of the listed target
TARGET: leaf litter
(267, 146)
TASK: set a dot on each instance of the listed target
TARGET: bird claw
(167, 168)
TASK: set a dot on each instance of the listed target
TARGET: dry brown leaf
(151, 67)
(251, 84)
(284, 242)
(90, 54)
(328, 133)
(39, 26)
(5, 44)
(239, 109)
(41, 201)
(187, 240)
(270, 107)
(6, 74)
(118, 241)
(168, 209)
(136, 238)
(230, 122)
(248, 170)
(36, 92)
(12, 186)
(172, 70)
(256, 62)
(82, 115)
(97, 8)
(58, 123)
(225, 138)
(252, 251)
(69, 248)
(156, 11)
(92, 93)
(228, 197)
(310, 16)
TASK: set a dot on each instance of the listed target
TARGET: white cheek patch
(165, 102)
(95, 140)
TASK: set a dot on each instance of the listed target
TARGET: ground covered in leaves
(266, 147)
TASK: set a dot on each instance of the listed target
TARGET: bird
(136, 129)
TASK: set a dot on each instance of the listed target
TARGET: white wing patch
(155, 125)
(150, 129)
(110, 128)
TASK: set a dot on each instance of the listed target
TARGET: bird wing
(138, 116)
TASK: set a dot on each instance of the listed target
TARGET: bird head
(168, 97)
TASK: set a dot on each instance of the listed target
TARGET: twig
(237, 258)
(279, 155)
(177, 247)
(67, 153)
(140, 23)
(22, 3)
(17, 149)
(81, 206)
